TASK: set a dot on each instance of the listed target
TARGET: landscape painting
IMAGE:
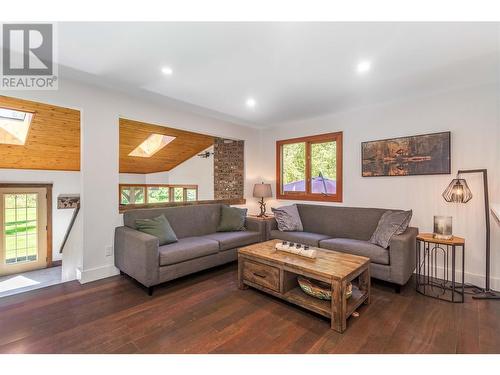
(407, 156)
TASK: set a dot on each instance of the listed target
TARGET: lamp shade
(262, 190)
(457, 191)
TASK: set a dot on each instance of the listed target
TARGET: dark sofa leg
(397, 288)
(122, 273)
(150, 291)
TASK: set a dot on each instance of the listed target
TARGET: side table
(267, 217)
(267, 222)
(434, 269)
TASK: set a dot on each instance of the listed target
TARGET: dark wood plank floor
(206, 313)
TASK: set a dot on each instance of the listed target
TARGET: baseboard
(93, 274)
(475, 279)
(480, 280)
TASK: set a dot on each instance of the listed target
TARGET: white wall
(472, 116)
(194, 171)
(157, 178)
(132, 178)
(64, 182)
(100, 110)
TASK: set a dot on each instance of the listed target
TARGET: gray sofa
(348, 229)
(200, 246)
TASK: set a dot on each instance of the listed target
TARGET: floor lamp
(458, 192)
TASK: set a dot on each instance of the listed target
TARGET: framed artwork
(407, 156)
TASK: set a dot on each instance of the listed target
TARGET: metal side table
(434, 269)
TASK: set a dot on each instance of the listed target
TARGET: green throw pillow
(158, 227)
(232, 219)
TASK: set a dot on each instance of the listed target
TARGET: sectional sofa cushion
(230, 240)
(232, 219)
(288, 218)
(306, 238)
(158, 227)
(187, 248)
(376, 253)
(391, 223)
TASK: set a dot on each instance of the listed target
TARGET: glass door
(23, 229)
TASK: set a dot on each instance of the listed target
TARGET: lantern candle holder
(443, 227)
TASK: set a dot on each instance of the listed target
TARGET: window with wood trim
(310, 168)
(157, 193)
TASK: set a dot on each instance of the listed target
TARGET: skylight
(14, 126)
(152, 144)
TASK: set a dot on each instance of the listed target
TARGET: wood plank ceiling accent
(183, 147)
(53, 141)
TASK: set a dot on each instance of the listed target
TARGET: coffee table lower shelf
(322, 307)
(319, 306)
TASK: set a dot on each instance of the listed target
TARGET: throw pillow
(158, 227)
(391, 223)
(232, 219)
(288, 218)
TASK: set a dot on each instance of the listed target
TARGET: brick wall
(228, 169)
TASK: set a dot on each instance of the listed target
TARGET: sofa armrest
(402, 255)
(136, 254)
(255, 225)
(272, 224)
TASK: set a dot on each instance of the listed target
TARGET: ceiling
(53, 141)
(183, 147)
(293, 70)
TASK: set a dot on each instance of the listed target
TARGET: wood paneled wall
(53, 141)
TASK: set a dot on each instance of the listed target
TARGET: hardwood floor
(206, 313)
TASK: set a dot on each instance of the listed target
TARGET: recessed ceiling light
(152, 144)
(251, 103)
(167, 70)
(363, 67)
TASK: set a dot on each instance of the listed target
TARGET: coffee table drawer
(262, 274)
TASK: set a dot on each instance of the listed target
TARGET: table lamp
(262, 191)
(458, 192)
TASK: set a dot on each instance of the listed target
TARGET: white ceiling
(293, 70)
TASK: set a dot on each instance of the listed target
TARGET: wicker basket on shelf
(319, 289)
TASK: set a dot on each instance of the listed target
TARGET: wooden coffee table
(262, 267)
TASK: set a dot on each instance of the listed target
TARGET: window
(151, 194)
(158, 194)
(310, 168)
(25, 227)
(178, 194)
(132, 194)
(191, 195)
(20, 229)
(14, 126)
(151, 145)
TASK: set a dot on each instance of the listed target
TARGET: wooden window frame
(308, 195)
(171, 188)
